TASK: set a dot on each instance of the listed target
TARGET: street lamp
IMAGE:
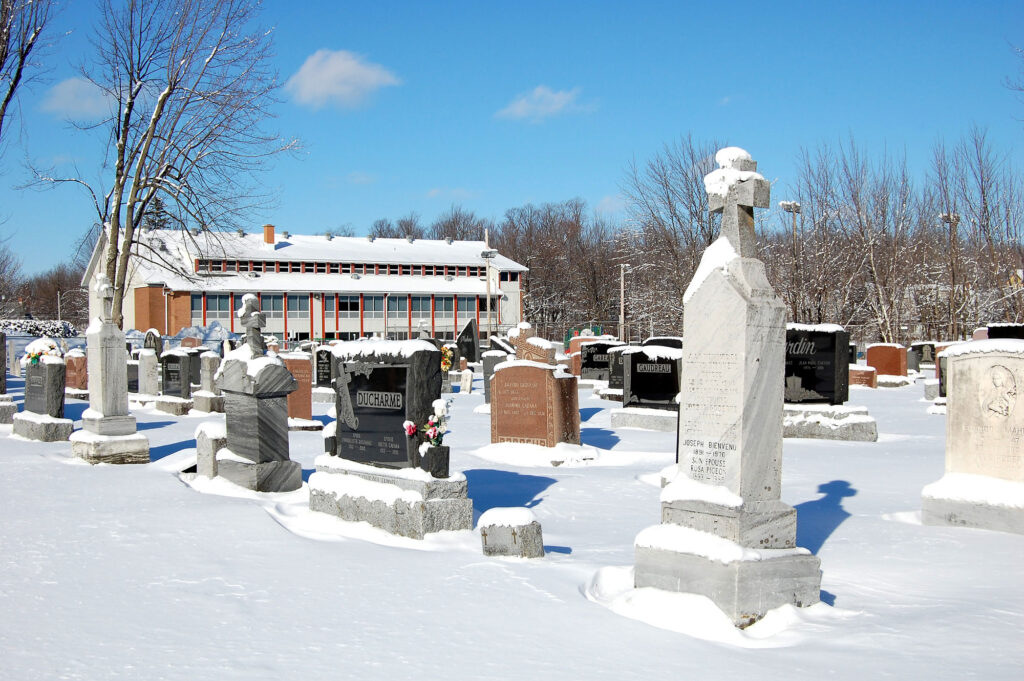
(488, 254)
(793, 208)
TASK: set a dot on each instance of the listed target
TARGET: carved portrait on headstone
(999, 392)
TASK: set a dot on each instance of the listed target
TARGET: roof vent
(410, 238)
(196, 231)
(355, 276)
(241, 232)
(449, 277)
(370, 238)
(329, 236)
(285, 234)
(448, 241)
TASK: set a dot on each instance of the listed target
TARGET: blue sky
(415, 106)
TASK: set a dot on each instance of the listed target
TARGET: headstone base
(765, 524)
(175, 406)
(40, 427)
(590, 384)
(931, 389)
(984, 502)
(272, 476)
(115, 449)
(208, 402)
(891, 381)
(326, 395)
(7, 410)
(141, 399)
(743, 589)
(613, 394)
(76, 394)
(304, 424)
(109, 425)
(828, 422)
(662, 420)
(407, 502)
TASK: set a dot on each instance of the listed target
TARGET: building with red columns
(319, 286)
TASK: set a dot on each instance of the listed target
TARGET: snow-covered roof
(180, 250)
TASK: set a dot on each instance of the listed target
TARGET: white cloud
(359, 177)
(725, 101)
(339, 78)
(610, 204)
(457, 193)
(76, 97)
(543, 102)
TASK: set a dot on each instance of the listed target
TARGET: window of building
(216, 265)
(346, 268)
(272, 305)
(218, 306)
(428, 270)
(197, 307)
(243, 266)
(373, 307)
(460, 271)
(443, 306)
(467, 307)
(321, 267)
(298, 306)
(309, 267)
(406, 269)
(398, 307)
(421, 307)
(398, 335)
(257, 266)
(329, 303)
(333, 268)
(392, 269)
(348, 307)
(348, 335)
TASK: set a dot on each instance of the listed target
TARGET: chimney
(268, 234)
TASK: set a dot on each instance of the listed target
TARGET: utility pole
(794, 208)
(622, 301)
(488, 254)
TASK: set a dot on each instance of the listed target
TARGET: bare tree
(57, 294)
(190, 85)
(407, 227)
(22, 23)
(459, 224)
(10, 279)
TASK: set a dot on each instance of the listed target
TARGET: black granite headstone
(675, 342)
(491, 359)
(616, 370)
(154, 341)
(941, 361)
(817, 366)
(324, 364)
(651, 377)
(375, 396)
(133, 376)
(853, 353)
(925, 353)
(44, 388)
(176, 371)
(469, 342)
(595, 362)
(498, 343)
(996, 331)
(195, 375)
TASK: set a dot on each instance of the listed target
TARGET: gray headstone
(154, 342)
(149, 383)
(491, 359)
(44, 387)
(209, 362)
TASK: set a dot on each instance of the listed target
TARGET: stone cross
(734, 190)
(253, 322)
(104, 293)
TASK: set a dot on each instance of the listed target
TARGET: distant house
(319, 286)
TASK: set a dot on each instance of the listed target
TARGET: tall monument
(725, 533)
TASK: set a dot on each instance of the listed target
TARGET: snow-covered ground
(132, 572)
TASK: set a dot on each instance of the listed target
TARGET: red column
(336, 314)
(455, 317)
(232, 310)
(361, 332)
(312, 329)
(204, 311)
(284, 311)
(433, 332)
(478, 314)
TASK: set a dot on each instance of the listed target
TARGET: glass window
(272, 305)
(460, 271)
(346, 268)
(392, 269)
(218, 306)
(443, 306)
(428, 270)
(298, 305)
(373, 307)
(421, 307)
(406, 269)
(321, 267)
(329, 303)
(467, 307)
(348, 307)
(333, 268)
(197, 307)
(398, 307)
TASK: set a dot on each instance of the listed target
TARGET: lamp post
(953, 220)
(793, 208)
(488, 255)
(61, 294)
(622, 301)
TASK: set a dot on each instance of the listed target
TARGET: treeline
(890, 258)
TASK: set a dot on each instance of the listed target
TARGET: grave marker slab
(469, 342)
(888, 359)
(1005, 330)
(984, 479)
(595, 361)
(77, 371)
(149, 377)
(43, 417)
(324, 367)
(491, 359)
(534, 404)
(300, 401)
(154, 341)
(817, 364)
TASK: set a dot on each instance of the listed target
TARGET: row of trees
(54, 294)
(862, 244)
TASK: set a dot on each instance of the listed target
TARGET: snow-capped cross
(734, 190)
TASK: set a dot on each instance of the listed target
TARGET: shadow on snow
(157, 453)
(499, 489)
(818, 519)
(602, 438)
